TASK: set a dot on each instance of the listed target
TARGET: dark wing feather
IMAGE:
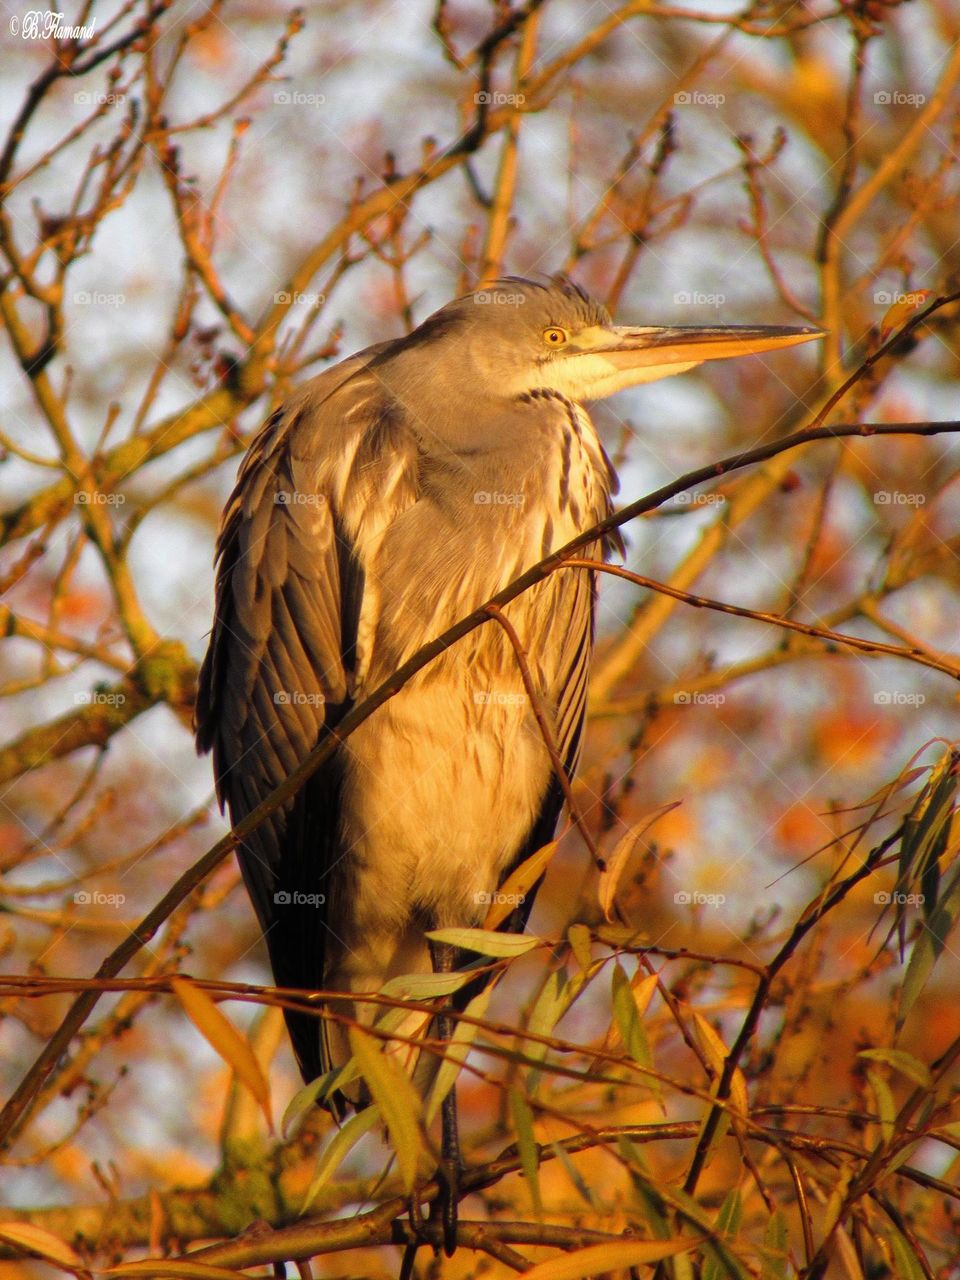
(277, 676)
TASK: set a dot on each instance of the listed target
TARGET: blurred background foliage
(202, 204)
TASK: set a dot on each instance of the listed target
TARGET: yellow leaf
(518, 884)
(711, 1044)
(643, 991)
(900, 312)
(173, 1268)
(344, 1141)
(611, 875)
(717, 1053)
(31, 1239)
(617, 862)
(578, 935)
(399, 1102)
(224, 1037)
(618, 1255)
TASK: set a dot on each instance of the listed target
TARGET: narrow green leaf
(487, 941)
(344, 1140)
(682, 1267)
(424, 986)
(576, 1177)
(390, 1020)
(527, 1148)
(926, 832)
(905, 1063)
(929, 947)
(693, 1211)
(837, 1197)
(694, 1214)
(908, 1265)
(645, 1188)
(303, 1102)
(627, 1019)
(776, 1241)
(399, 1103)
(727, 1225)
(550, 1006)
(457, 1050)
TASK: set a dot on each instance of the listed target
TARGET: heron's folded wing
(278, 671)
(274, 673)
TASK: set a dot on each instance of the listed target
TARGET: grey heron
(390, 496)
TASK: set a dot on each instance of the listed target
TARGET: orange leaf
(618, 1255)
(516, 886)
(31, 1239)
(224, 1037)
(617, 862)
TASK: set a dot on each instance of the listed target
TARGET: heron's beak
(611, 357)
(631, 348)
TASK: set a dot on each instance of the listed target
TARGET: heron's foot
(446, 1204)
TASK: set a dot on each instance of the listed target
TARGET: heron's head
(515, 336)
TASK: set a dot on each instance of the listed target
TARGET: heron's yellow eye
(554, 337)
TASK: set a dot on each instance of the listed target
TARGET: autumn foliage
(734, 1050)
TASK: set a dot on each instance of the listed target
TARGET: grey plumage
(389, 497)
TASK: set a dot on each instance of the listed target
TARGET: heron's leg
(444, 961)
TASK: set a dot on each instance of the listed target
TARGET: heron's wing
(279, 669)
